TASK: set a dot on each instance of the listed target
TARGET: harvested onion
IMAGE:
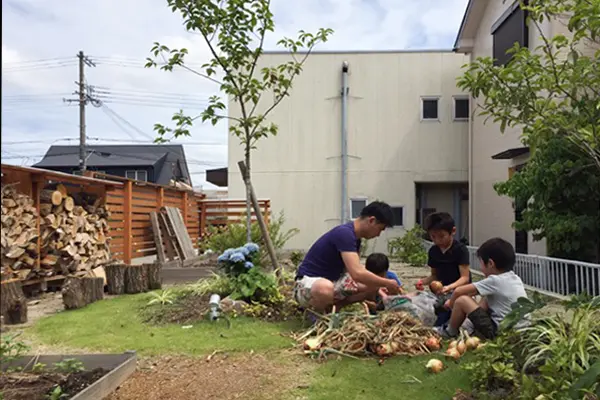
(384, 349)
(433, 343)
(312, 344)
(472, 343)
(453, 353)
(453, 344)
(434, 365)
(436, 287)
(461, 347)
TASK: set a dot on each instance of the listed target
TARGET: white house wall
(389, 147)
(491, 214)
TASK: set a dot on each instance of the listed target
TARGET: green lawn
(115, 326)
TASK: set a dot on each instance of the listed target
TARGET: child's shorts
(480, 323)
(342, 288)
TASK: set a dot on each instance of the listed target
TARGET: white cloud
(118, 35)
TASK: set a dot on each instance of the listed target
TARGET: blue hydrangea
(236, 257)
(228, 252)
(249, 265)
(251, 247)
(242, 250)
(223, 257)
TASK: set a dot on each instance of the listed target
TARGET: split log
(115, 278)
(13, 304)
(68, 203)
(63, 190)
(77, 292)
(136, 279)
(51, 196)
(153, 275)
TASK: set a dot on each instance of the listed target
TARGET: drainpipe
(344, 198)
(471, 220)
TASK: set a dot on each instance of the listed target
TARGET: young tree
(551, 93)
(235, 32)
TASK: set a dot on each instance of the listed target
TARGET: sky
(41, 38)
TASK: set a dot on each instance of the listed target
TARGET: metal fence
(550, 275)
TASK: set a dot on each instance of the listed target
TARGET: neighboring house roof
(217, 176)
(465, 39)
(165, 159)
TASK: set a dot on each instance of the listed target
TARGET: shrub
(296, 257)
(409, 248)
(218, 284)
(219, 239)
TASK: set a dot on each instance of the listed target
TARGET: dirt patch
(185, 309)
(222, 378)
(408, 274)
(29, 386)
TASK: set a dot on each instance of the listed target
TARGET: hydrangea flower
(249, 265)
(228, 252)
(236, 257)
(242, 250)
(251, 247)
(223, 257)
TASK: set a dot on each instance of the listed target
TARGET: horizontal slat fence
(130, 206)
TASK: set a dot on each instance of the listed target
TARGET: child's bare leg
(463, 306)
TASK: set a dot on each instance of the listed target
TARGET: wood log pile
(73, 234)
(130, 279)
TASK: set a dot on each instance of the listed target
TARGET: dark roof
(157, 156)
(511, 153)
(217, 176)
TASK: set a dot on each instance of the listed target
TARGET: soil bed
(30, 386)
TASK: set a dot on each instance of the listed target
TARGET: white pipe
(344, 209)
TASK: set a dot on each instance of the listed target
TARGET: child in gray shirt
(499, 290)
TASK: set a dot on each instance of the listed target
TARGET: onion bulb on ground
(312, 344)
(472, 343)
(436, 287)
(433, 343)
(461, 347)
(453, 353)
(384, 349)
(453, 344)
(434, 365)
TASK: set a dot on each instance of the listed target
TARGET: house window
(429, 108)
(510, 28)
(398, 214)
(461, 108)
(356, 206)
(138, 175)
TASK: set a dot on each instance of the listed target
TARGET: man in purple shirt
(331, 272)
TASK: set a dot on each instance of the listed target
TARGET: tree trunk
(246, 177)
(261, 222)
(78, 292)
(115, 278)
(153, 274)
(136, 279)
(13, 303)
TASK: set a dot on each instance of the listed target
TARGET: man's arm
(463, 280)
(361, 275)
(430, 278)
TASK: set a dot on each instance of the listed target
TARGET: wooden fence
(130, 203)
(130, 206)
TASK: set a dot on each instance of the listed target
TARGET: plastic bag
(420, 306)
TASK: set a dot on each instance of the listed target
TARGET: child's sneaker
(444, 332)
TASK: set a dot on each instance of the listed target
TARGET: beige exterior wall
(389, 147)
(490, 214)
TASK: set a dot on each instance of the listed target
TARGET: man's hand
(419, 285)
(446, 289)
(392, 287)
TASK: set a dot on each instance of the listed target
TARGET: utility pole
(82, 100)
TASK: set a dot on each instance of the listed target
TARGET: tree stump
(115, 278)
(13, 303)
(153, 274)
(78, 292)
(136, 279)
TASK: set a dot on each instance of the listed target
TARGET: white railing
(549, 275)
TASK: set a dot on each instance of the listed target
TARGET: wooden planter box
(173, 276)
(120, 367)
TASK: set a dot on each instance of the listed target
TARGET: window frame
(357, 198)
(136, 173)
(403, 215)
(496, 26)
(437, 98)
(454, 100)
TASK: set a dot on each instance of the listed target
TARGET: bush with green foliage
(296, 257)
(11, 348)
(409, 248)
(555, 357)
(219, 239)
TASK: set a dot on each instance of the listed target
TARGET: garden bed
(76, 377)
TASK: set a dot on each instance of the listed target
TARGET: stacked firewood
(73, 234)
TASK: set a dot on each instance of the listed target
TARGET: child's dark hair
(500, 251)
(377, 263)
(439, 221)
(381, 211)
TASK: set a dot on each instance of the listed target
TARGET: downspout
(344, 198)
(470, 223)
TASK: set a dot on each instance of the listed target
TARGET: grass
(114, 325)
(351, 379)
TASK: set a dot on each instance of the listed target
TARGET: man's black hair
(377, 263)
(500, 251)
(381, 211)
(439, 221)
